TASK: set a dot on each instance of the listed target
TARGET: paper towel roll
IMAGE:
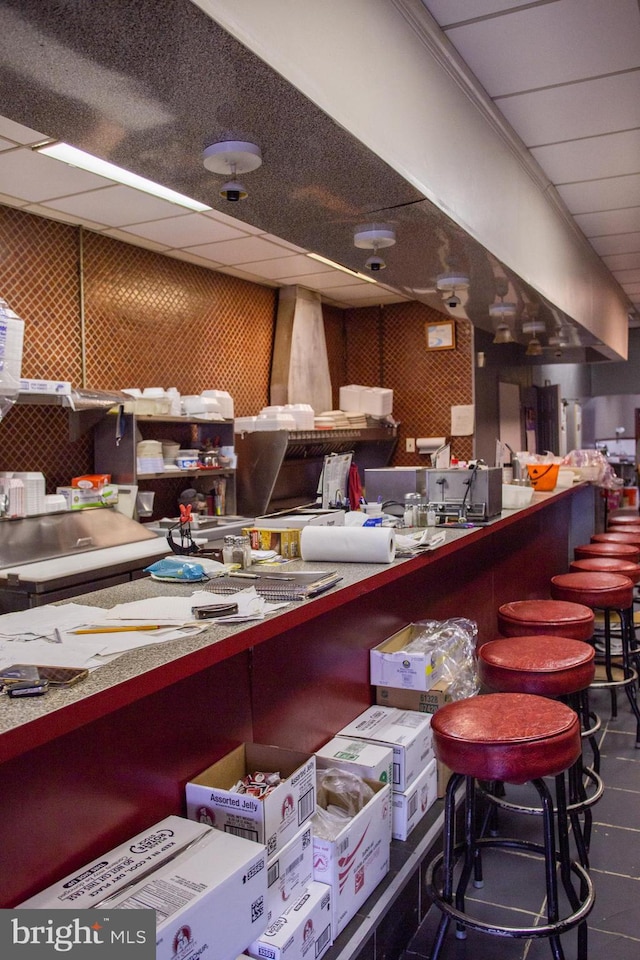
(429, 445)
(348, 544)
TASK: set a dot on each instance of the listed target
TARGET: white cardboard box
(272, 821)
(358, 859)
(410, 807)
(392, 666)
(289, 872)
(209, 901)
(303, 931)
(406, 731)
(107, 874)
(372, 761)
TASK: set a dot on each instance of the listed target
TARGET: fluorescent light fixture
(85, 161)
(338, 266)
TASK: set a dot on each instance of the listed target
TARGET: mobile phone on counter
(27, 688)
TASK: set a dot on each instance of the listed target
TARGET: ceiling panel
(609, 193)
(607, 156)
(241, 251)
(185, 230)
(617, 243)
(116, 206)
(609, 221)
(623, 261)
(550, 43)
(37, 178)
(576, 110)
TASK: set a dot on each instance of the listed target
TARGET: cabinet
(115, 440)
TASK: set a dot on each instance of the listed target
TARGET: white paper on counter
(348, 544)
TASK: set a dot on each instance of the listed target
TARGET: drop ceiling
(149, 85)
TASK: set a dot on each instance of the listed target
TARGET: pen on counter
(245, 576)
(127, 629)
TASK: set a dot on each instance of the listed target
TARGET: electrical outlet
(410, 445)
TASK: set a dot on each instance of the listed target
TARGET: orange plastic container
(543, 476)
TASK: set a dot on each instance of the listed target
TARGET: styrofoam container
(303, 415)
(515, 497)
(193, 404)
(244, 424)
(351, 397)
(275, 421)
(376, 401)
(224, 399)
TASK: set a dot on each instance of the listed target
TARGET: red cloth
(355, 492)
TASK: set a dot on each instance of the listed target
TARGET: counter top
(25, 724)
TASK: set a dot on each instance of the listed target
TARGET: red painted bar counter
(82, 769)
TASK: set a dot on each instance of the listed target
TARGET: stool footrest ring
(533, 933)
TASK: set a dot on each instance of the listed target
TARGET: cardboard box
(321, 518)
(424, 701)
(358, 859)
(107, 874)
(289, 872)
(371, 761)
(79, 499)
(409, 807)
(55, 387)
(209, 901)
(406, 731)
(392, 666)
(303, 931)
(91, 481)
(444, 775)
(285, 542)
(272, 821)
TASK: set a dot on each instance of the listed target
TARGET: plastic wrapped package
(340, 796)
(454, 642)
(594, 466)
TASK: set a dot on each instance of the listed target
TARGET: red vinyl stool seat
(551, 617)
(616, 527)
(619, 551)
(628, 535)
(516, 738)
(607, 565)
(550, 667)
(611, 593)
(624, 517)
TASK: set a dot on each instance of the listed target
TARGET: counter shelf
(122, 744)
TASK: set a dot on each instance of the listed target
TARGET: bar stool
(555, 618)
(619, 551)
(515, 738)
(562, 669)
(615, 526)
(624, 515)
(628, 535)
(611, 593)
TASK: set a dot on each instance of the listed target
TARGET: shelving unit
(115, 453)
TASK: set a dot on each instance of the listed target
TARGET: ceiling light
(85, 161)
(503, 334)
(502, 311)
(374, 236)
(452, 281)
(229, 158)
(338, 266)
(534, 348)
(533, 326)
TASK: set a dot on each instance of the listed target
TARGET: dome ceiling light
(374, 237)
(230, 158)
(503, 334)
(534, 348)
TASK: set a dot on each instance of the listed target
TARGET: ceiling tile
(35, 177)
(19, 133)
(243, 275)
(618, 243)
(623, 261)
(133, 240)
(12, 201)
(247, 250)
(185, 230)
(6, 145)
(292, 266)
(602, 105)
(592, 196)
(609, 221)
(117, 206)
(42, 210)
(550, 43)
(332, 279)
(627, 276)
(192, 258)
(611, 155)
(453, 11)
(230, 221)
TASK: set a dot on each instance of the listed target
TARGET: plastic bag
(176, 568)
(453, 644)
(340, 796)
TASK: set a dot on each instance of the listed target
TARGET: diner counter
(84, 767)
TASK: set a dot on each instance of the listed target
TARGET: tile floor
(614, 922)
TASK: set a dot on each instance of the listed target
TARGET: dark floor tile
(600, 946)
(616, 907)
(477, 946)
(621, 770)
(620, 807)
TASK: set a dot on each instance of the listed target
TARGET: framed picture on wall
(441, 335)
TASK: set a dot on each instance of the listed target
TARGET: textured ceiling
(148, 85)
